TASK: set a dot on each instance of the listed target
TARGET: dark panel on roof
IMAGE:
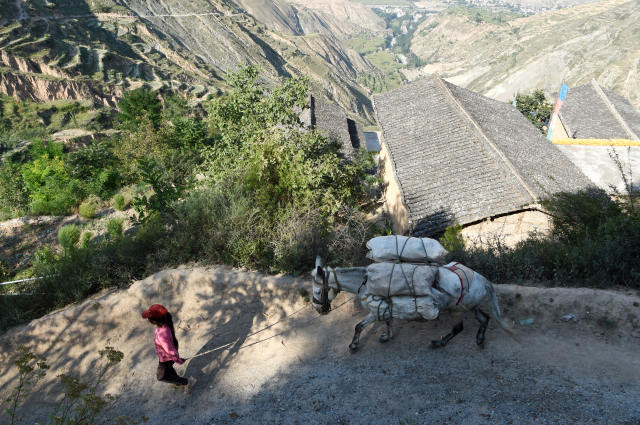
(588, 117)
(355, 133)
(540, 164)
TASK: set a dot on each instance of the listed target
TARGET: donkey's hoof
(353, 348)
(480, 342)
(437, 343)
(384, 338)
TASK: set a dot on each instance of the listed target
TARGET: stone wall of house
(393, 196)
(509, 229)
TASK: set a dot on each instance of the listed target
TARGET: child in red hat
(166, 344)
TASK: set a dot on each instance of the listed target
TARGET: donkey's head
(322, 293)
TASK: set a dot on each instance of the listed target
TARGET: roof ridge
(613, 109)
(477, 127)
(392, 161)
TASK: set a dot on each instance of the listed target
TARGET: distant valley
(592, 41)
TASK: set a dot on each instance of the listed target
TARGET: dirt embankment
(43, 89)
(283, 363)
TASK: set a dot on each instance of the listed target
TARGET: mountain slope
(105, 46)
(596, 40)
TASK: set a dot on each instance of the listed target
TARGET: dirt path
(299, 371)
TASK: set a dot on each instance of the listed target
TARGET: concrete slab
(596, 162)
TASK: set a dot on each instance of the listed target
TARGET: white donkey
(448, 293)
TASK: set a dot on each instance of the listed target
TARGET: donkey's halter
(324, 293)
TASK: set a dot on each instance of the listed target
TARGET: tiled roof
(459, 156)
(540, 165)
(589, 112)
(333, 121)
(627, 111)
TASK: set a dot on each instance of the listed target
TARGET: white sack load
(406, 308)
(392, 279)
(405, 248)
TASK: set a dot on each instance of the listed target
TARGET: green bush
(119, 202)
(217, 226)
(14, 197)
(89, 207)
(85, 239)
(136, 104)
(96, 166)
(83, 271)
(50, 187)
(114, 228)
(224, 226)
(452, 239)
(4, 271)
(68, 236)
(536, 108)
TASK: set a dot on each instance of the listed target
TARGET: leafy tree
(164, 191)
(97, 166)
(535, 107)
(175, 106)
(262, 146)
(190, 133)
(139, 103)
(145, 141)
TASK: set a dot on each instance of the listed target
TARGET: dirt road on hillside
(299, 370)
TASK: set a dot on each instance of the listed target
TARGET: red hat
(156, 311)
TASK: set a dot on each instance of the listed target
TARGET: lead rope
(264, 329)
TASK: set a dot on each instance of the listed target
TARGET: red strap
(453, 269)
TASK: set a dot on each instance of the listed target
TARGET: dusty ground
(299, 371)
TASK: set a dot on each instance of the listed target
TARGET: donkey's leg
(437, 343)
(483, 318)
(359, 327)
(389, 334)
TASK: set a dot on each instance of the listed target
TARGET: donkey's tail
(494, 308)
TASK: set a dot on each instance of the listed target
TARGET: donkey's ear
(318, 261)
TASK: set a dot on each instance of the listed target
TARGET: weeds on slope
(80, 403)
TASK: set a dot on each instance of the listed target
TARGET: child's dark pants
(166, 373)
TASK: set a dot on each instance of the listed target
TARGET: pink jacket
(165, 348)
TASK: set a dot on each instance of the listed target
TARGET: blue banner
(563, 91)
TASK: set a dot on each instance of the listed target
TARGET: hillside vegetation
(246, 184)
(496, 57)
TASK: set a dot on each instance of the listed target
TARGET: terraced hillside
(76, 49)
(595, 40)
